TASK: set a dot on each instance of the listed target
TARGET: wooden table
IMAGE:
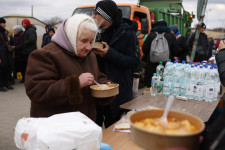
(118, 140)
(201, 109)
(122, 141)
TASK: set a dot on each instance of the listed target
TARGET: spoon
(101, 85)
(163, 118)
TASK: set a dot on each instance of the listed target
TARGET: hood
(66, 34)
(60, 38)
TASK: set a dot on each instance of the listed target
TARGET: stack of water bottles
(187, 81)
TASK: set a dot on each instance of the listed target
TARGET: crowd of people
(58, 75)
(16, 44)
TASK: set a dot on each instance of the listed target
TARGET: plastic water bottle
(217, 82)
(154, 84)
(159, 72)
(210, 88)
(135, 84)
(167, 79)
(200, 84)
(168, 62)
(176, 81)
(190, 83)
(183, 82)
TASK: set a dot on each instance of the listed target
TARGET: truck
(148, 12)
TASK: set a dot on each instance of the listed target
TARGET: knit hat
(2, 20)
(107, 9)
(174, 29)
(161, 23)
(203, 25)
(18, 28)
(51, 29)
(71, 28)
(27, 22)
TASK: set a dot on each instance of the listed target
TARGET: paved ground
(14, 104)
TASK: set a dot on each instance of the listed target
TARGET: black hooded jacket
(30, 40)
(120, 61)
(4, 53)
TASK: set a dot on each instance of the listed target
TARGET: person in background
(181, 43)
(29, 42)
(46, 33)
(59, 75)
(203, 53)
(217, 129)
(11, 56)
(48, 37)
(4, 55)
(160, 27)
(18, 48)
(117, 59)
(10, 35)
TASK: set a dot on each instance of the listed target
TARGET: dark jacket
(151, 67)
(119, 63)
(213, 132)
(183, 49)
(4, 53)
(18, 43)
(46, 40)
(220, 60)
(202, 51)
(30, 40)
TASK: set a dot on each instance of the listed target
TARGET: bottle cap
(136, 75)
(155, 74)
(160, 63)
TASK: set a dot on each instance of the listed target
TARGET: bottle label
(200, 89)
(189, 89)
(176, 87)
(210, 92)
(154, 81)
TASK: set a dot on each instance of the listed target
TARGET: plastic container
(154, 84)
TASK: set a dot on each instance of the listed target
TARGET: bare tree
(53, 21)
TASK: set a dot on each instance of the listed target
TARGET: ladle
(163, 118)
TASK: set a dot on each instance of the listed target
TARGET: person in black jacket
(160, 27)
(181, 43)
(48, 37)
(203, 52)
(29, 42)
(118, 59)
(4, 58)
(217, 129)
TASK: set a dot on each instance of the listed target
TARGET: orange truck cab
(134, 12)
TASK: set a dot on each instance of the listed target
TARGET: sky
(46, 9)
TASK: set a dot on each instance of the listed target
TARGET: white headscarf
(72, 25)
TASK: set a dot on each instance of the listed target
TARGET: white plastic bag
(68, 131)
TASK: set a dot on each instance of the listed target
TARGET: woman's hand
(101, 52)
(86, 79)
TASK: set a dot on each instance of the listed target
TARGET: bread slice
(122, 126)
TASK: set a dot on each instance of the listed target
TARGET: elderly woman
(18, 48)
(59, 76)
